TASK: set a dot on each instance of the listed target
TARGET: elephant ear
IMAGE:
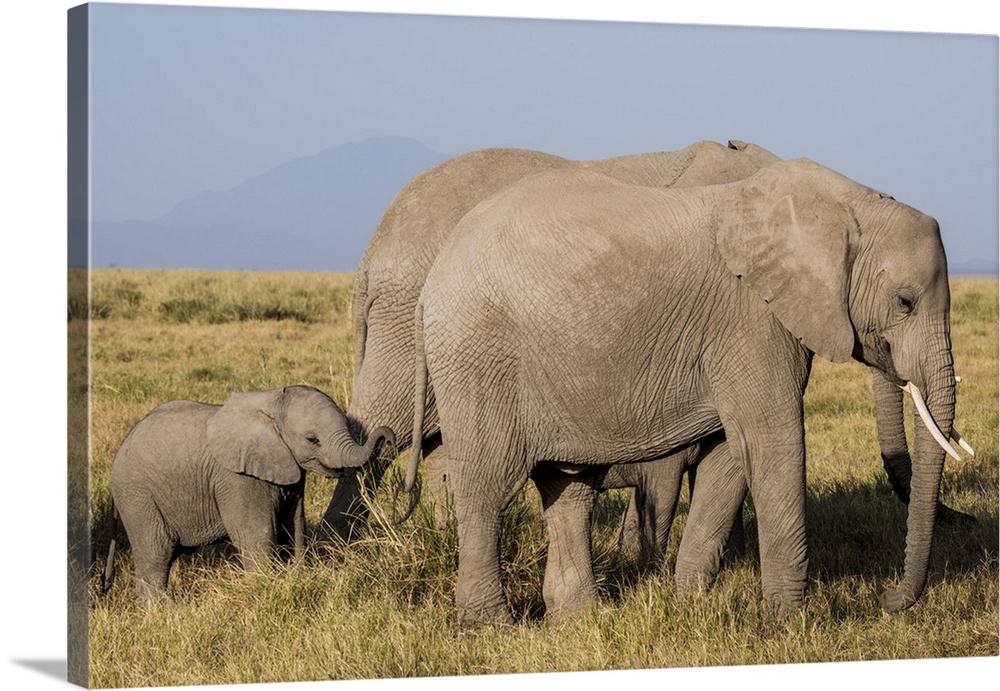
(791, 242)
(244, 437)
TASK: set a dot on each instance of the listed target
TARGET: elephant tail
(108, 575)
(411, 483)
(362, 304)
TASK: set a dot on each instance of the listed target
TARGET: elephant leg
(567, 504)
(436, 467)
(716, 506)
(628, 539)
(252, 519)
(346, 513)
(779, 490)
(768, 441)
(656, 494)
(482, 489)
(291, 529)
(153, 550)
(299, 527)
(256, 547)
(736, 545)
(152, 570)
(629, 536)
(153, 555)
(645, 526)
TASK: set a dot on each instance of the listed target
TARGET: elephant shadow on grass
(854, 532)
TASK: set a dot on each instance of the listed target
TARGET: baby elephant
(189, 474)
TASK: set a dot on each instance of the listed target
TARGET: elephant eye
(905, 302)
(312, 439)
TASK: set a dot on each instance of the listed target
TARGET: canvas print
(413, 346)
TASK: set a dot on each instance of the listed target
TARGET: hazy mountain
(314, 213)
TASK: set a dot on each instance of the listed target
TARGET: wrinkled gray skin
(189, 474)
(411, 233)
(731, 289)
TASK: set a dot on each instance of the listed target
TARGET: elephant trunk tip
(380, 438)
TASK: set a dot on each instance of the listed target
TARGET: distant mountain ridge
(313, 213)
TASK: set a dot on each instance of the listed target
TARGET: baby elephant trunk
(357, 455)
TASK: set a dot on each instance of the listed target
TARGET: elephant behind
(538, 354)
(189, 474)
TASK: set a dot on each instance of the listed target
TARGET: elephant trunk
(928, 463)
(350, 454)
(378, 437)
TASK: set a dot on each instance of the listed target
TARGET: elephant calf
(189, 474)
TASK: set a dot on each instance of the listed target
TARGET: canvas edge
(79, 552)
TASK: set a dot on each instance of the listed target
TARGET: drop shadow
(49, 668)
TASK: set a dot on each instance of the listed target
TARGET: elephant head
(853, 273)
(273, 435)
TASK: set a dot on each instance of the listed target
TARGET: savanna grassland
(384, 606)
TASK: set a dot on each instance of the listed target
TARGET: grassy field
(384, 607)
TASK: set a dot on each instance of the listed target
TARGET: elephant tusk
(925, 415)
(961, 442)
(958, 437)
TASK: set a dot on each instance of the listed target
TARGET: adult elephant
(411, 232)
(578, 320)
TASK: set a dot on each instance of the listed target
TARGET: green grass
(384, 607)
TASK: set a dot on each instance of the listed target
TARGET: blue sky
(189, 99)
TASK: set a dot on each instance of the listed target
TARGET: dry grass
(384, 607)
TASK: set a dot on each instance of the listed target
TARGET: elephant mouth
(319, 466)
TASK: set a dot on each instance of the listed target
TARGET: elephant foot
(784, 606)
(692, 582)
(479, 617)
(149, 596)
(783, 614)
(897, 599)
(784, 599)
(571, 606)
(949, 516)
